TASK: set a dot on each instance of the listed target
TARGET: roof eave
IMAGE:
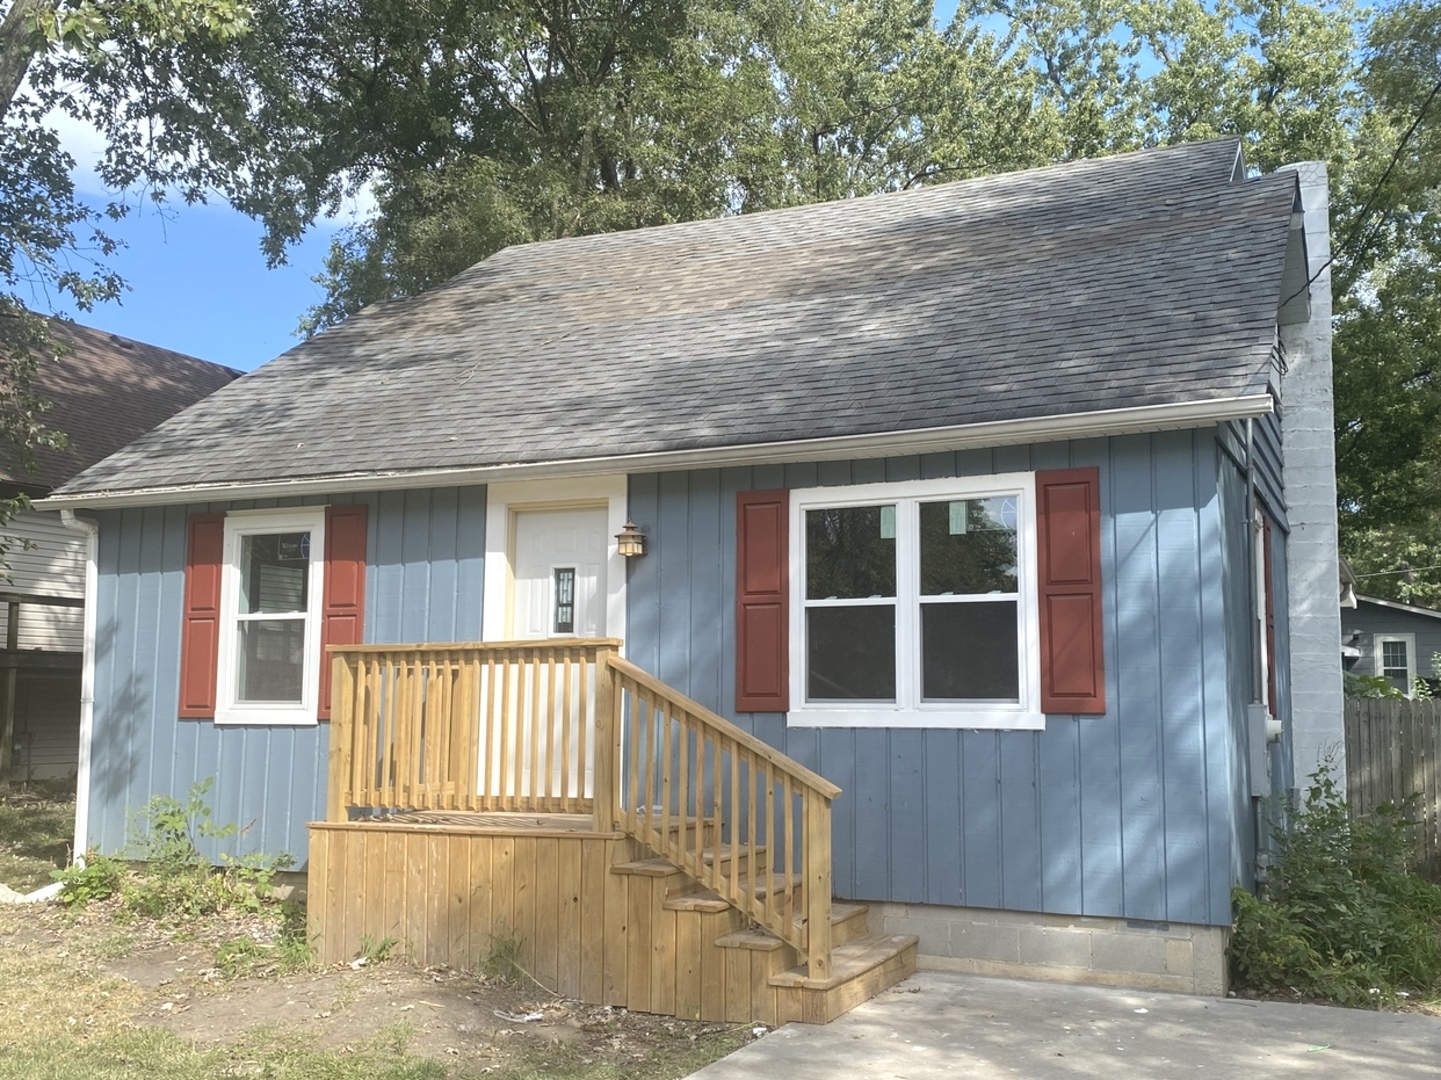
(1100, 423)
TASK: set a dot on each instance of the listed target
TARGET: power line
(1402, 570)
(1375, 193)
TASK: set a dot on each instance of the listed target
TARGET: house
(103, 391)
(1397, 641)
(742, 612)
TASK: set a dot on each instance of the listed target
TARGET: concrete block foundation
(1179, 957)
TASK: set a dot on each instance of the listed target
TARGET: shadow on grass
(35, 832)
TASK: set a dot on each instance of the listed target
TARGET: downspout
(1253, 571)
(91, 532)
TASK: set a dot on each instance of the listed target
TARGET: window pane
(851, 653)
(274, 572)
(851, 552)
(271, 660)
(970, 651)
(1393, 655)
(968, 546)
(564, 621)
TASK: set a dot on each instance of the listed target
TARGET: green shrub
(1343, 917)
(94, 878)
(173, 877)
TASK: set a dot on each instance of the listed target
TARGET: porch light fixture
(630, 541)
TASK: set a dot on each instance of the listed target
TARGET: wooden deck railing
(569, 726)
(505, 726)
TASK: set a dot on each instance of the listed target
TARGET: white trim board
(1100, 423)
(502, 500)
(1396, 605)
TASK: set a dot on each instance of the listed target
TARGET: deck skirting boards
(588, 915)
(1179, 957)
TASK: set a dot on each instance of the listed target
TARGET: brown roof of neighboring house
(105, 391)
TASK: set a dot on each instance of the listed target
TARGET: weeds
(174, 879)
(1343, 917)
(502, 960)
(376, 952)
(95, 878)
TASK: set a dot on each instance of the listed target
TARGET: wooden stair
(522, 790)
(726, 968)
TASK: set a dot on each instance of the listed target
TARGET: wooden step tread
(763, 940)
(659, 866)
(700, 900)
(850, 961)
(646, 868)
(726, 852)
(752, 937)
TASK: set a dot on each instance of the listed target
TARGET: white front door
(559, 564)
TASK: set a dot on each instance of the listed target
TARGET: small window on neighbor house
(1394, 655)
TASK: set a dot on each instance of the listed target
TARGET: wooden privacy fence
(1393, 751)
(568, 726)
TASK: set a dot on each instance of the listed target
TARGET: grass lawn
(105, 993)
(35, 831)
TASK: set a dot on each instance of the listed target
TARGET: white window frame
(1409, 640)
(908, 710)
(238, 524)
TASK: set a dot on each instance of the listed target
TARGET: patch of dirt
(435, 1013)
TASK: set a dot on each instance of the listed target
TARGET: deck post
(818, 884)
(342, 736)
(605, 741)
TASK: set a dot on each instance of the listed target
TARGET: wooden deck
(640, 851)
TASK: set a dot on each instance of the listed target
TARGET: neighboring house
(972, 501)
(1394, 640)
(104, 391)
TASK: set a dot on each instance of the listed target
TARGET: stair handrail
(813, 780)
(813, 938)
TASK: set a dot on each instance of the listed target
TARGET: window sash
(230, 709)
(910, 709)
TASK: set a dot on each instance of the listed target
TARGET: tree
(51, 243)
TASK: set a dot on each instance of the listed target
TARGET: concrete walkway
(936, 1025)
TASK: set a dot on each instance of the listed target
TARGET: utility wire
(1372, 197)
(1403, 570)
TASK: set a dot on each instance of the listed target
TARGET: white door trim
(502, 501)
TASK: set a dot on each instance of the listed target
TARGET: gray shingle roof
(1143, 279)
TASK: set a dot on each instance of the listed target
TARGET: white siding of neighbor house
(48, 559)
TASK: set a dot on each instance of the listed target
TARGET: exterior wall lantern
(630, 541)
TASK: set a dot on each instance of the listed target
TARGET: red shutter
(1266, 536)
(200, 629)
(762, 601)
(1068, 531)
(343, 608)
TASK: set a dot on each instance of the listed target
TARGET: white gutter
(1101, 423)
(87, 680)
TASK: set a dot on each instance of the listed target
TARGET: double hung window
(914, 604)
(269, 641)
(1395, 662)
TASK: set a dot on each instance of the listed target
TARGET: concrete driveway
(942, 1025)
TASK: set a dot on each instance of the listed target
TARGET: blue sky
(198, 282)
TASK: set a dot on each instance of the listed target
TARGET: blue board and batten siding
(423, 583)
(1128, 814)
